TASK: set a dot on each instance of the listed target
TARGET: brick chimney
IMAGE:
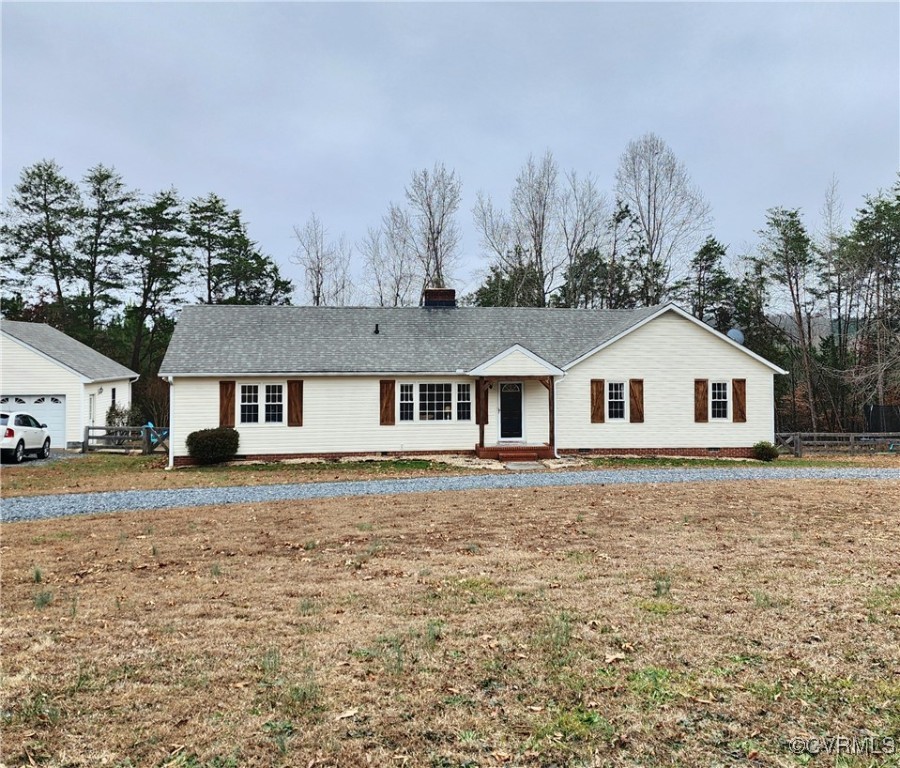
(439, 297)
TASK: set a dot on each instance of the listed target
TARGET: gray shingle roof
(66, 350)
(232, 340)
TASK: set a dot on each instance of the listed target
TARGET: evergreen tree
(38, 231)
(157, 266)
(247, 276)
(103, 233)
(708, 291)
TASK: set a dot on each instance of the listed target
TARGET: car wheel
(45, 451)
(19, 453)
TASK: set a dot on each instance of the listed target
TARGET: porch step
(517, 456)
(514, 452)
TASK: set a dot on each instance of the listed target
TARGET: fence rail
(849, 442)
(125, 439)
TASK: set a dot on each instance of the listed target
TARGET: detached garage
(60, 381)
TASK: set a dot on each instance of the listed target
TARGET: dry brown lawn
(115, 472)
(689, 625)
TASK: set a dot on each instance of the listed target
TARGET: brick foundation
(187, 461)
(709, 453)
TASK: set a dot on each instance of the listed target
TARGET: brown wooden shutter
(295, 403)
(701, 400)
(739, 395)
(598, 401)
(387, 402)
(636, 395)
(226, 403)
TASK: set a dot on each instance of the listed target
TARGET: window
(249, 404)
(406, 402)
(616, 400)
(463, 402)
(274, 404)
(112, 396)
(435, 402)
(719, 400)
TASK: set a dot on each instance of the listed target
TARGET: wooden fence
(125, 439)
(838, 442)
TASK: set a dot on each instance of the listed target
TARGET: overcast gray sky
(288, 108)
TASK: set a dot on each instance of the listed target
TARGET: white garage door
(47, 409)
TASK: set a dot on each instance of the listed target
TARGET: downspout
(555, 420)
(171, 464)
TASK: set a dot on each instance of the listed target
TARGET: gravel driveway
(40, 507)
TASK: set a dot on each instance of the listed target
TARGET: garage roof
(65, 350)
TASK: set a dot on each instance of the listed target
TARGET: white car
(21, 434)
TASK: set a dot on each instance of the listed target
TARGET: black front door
(510, 411)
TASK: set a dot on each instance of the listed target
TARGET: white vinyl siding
(340, 414)
(668, 353)
(516, 363)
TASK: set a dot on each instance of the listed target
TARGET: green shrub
(213, 446)
(765, 451)
(117, 416)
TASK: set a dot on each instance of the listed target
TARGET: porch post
(481, 406)
(550, 384)
(551, 399)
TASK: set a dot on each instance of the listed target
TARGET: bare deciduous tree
(671, 212)
(326, 265)
(433, 199)
(526, 240)
(582, 224)
(390, 271)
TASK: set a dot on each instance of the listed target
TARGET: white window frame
(416, 392)
(448, 405)
(610, 401)
(261, 395)
(463, 386)
(726, 385)
(407, 389)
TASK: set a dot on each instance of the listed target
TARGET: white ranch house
(58, 380)
(497, 382)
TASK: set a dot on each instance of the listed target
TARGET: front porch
(513, 423)
(514, 452)
(513, 386)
